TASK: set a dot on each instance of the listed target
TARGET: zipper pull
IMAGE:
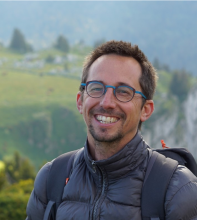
(67, 179)
(164, 144)
(94, 166)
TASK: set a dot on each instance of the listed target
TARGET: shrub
(13, 200)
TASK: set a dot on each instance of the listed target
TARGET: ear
(147, 110)
(79, 103)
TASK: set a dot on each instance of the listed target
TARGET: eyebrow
(119, 83)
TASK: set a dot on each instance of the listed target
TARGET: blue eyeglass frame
(114, 88)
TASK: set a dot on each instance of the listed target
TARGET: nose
(108, 100)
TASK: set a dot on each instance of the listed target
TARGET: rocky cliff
(177, 127)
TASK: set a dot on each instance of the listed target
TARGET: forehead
(115, 69)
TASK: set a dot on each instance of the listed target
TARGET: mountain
(163, 30)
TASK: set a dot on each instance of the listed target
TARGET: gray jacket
(111, 189)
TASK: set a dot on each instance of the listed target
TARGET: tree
(13, 200)
(62, 44)
(26, 170)
(50, 58)
(2, 175)
(156, 64)
(99, 42)
(159, 66)
(180, 84)
(18, 168)
(18, 42)
(166, 67)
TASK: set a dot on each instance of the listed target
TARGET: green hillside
(22, 90)
(38, 115)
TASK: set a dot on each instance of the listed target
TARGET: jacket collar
(127, 159)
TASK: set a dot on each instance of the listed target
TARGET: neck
(104, 150)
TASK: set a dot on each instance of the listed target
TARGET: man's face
(120, 119)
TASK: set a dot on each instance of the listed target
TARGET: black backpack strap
(158, 175)
(61, 169)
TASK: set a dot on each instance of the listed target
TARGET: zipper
(94, 166)
(102, 192)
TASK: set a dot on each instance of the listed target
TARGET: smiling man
(108, 173)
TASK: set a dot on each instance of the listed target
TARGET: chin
(102, 135)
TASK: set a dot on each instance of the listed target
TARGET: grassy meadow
(38, 114)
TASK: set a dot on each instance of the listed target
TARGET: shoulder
(41, 182)
(38, 199)
(64, 161)
(181, 196)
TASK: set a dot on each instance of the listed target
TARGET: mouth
(105, 119)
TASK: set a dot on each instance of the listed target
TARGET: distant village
(57, 60)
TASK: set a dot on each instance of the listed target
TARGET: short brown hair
(149, 76)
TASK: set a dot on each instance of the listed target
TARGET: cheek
(137, 104)
(134, 111)
(88, 104)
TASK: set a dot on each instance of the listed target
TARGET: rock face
(177, 128)
(190, 111)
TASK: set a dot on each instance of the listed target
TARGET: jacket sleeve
(38, 199)
(181, 196)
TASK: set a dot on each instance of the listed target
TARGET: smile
(106, 120)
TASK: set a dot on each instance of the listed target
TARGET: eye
(124, 91)
(95, 88)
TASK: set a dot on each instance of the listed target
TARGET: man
(115, 97)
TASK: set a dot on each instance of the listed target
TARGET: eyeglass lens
(122, 93)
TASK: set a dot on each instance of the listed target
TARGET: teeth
(99, 117)
(105, 120)
(113, 119)
(108, 119)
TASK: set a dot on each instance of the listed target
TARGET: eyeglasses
(123, 93)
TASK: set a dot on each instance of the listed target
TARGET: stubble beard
(102, 136)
